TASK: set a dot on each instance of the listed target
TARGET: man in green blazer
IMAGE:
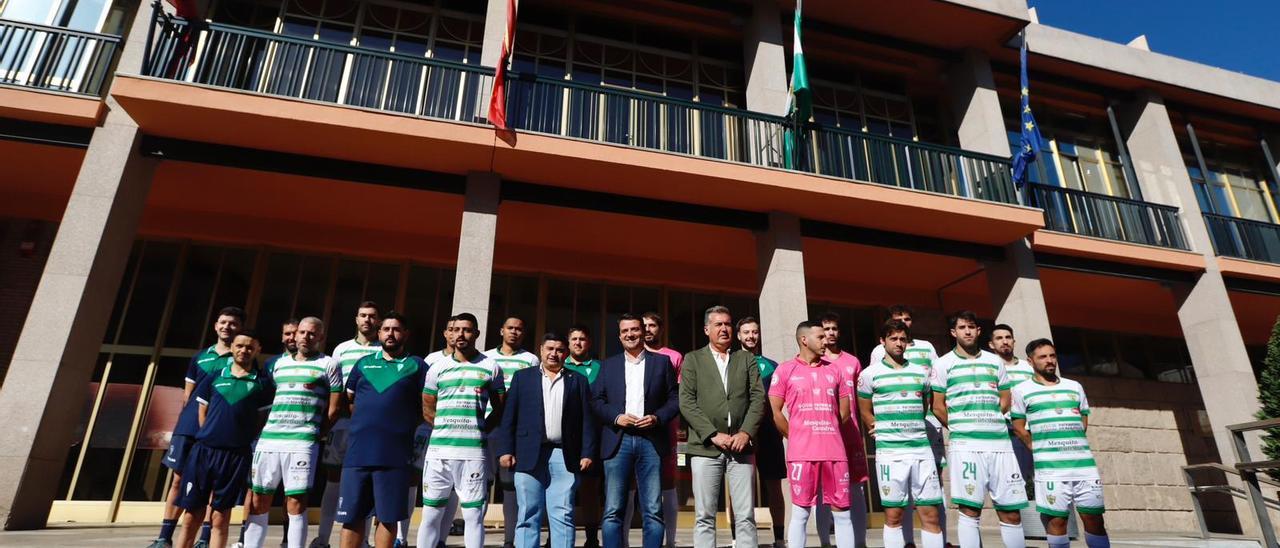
(722, 400)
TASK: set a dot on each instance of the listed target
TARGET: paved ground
(139, 536)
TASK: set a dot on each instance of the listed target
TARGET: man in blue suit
(634, 398)
(547, 436)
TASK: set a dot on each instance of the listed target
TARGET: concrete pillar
(53, 361)
(784, 302)
(1016, 295)
(979, 122)
(766, 60)
(475, 249)
(1014, 283)
(1208, 322)
(495, 29)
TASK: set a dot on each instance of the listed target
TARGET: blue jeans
(638, 456)
(549, 487)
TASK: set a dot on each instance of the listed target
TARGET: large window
(1084, 352)
(855, 107)
(162, 316)
(1233, 186)
(1076, 154)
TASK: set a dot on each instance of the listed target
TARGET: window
(1232, 186)
(1083, 352)
(855, 107)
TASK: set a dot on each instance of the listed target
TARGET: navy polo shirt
(202, 365)
(235, 406)
(387, 394)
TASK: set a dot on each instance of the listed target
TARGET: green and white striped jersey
(1055, 417)
(972, 388)
(897, 394)
(302, 395)
(920, 352)
(1017, 373)
(462, 391)
(350, 352)
(515, 362)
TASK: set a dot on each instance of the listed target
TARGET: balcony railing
(1102, 216)
(264, 62)
(1244, 238)
(55, 58)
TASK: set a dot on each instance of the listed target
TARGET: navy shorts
(222, 474)
(176, 456)
(380, 490)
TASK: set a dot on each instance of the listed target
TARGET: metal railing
(1244, 238)
(1102, 216)
(55, 58)
(263, 62)
(1198, 488)
(1249, 471)
(274, 64)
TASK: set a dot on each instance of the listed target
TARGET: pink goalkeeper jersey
(851, 367)
(811, 396)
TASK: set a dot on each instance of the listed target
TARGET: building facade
(296, 157)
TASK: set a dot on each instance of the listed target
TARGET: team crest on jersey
(1050, 498)
(885, 490)
(919, 394)
(969, 488)
(1076, 411)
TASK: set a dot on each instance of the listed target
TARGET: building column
(1014, 283)
(474, 274)
(766, 60)
(495, 29)
(64, 329)
(784, 303)
(1209, 324)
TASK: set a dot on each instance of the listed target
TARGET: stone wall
(1142, 432)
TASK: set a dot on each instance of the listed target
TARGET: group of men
(560, 428)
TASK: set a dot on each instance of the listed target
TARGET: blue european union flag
(1029, 148)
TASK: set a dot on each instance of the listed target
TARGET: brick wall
(19, 276)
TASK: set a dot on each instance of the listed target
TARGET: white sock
(858, 515)
(255, 530)
(1097, 541)
(797, 530)
(510, 514)
(429, 530)
(822, 519)
(844, 529)
(932, 540)
(908, 522)
(1059, 541)
(297, 530)
(669, 511)
(474, 517)
(1012, 535)
(893, 537)
(328, 511)
(970, 535)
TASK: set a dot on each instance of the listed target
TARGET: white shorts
(1056, 497)
(907, 478)
(295, 469)
(420, 438)
(335, 448)
(469, 479)
(976, 474)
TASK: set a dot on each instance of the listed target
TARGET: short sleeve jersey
(590, 368)
(897, 394)
(811, 396)
(302, 396)
(1055, 416)
(270, 366)
(1017, 373)
(234, 408)
(512, 363)
(433, 358)
(972, 388)
(387, 395)
(201, 366)
(850, 369)
(462, 391)
(349, 352)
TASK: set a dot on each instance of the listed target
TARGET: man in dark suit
(634, 397)
(547, 436)
(722, 400)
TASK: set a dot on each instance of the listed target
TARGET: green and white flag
(800, 98)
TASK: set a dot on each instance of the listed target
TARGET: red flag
(498, 99)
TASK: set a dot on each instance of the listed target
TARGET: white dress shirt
(634, 370)
(722, 365)
(553, 406)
